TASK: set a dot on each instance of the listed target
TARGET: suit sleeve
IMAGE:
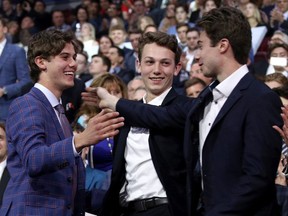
(19, 66)
(260, 158)
(32, 136)
(148, 116)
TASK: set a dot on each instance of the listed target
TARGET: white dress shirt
(141, 176)
(54, 102)
(2, 45)
(3, 164)
(220, 94)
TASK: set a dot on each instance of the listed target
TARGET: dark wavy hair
(47, 44)
(229, 23)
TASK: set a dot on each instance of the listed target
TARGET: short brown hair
(229, 23)
(161, 39)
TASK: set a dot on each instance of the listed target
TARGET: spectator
(119, 36)
(105, 43)
(14, 71)
(99, 65)
(116, 56)
(133, 85)
(132, 56)
(197, 72)
(58, 21)
(82, 68)
(4, 173)
(144, 21)
(192, 38)
(265, 67)
(137, 164)
(88, 38)
(39, 159)
(275, 80)
(193, 87)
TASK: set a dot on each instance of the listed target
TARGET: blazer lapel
(235, 95)
(3, 183)
(41, 97)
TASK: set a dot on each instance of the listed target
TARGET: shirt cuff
(76, 154)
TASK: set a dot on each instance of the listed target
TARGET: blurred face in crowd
(3, 31)
(197, 72)
(82, 15)
(3, 145)
(273, 84)
(192, 40)
(133, 85)
(182, 33)
(97, 66)
(58, 18)
(104, 45)
(118, 37)
(134, 39)
(157, 68)
(194, 90)
(209, 5)
(279, 52)
(180, 15)
(114, 57)
(282, 5)
(114, 89)
(82, 63)
(39, 7)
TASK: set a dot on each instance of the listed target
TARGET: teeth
(69, 73)
(157, 78)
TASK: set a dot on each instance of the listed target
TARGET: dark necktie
(67, 133)
(63, 120)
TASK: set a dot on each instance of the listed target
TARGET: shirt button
(209, 124)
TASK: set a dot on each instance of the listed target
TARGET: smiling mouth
(69, 73)
(156, 78)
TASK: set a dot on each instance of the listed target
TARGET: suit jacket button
(69, 179)
(68, 206)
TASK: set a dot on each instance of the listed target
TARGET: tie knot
(60, 108)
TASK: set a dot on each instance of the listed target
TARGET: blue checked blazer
(40, 162)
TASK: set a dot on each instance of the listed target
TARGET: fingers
(279, 130)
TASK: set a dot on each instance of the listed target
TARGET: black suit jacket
(166, 148)
(241, 152)
(3, 183)
(71, 99)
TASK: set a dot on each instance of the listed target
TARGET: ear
(5, 29)
(138, 66)
(224, 45)
(177, 68)
(41, 63)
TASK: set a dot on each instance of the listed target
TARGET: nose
(197, 54)
(157, 67)
(73, 63)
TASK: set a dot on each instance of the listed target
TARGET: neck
(252, 21)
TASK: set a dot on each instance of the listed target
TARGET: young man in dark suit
(149, 171)
(239, 149)
(47, 173)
